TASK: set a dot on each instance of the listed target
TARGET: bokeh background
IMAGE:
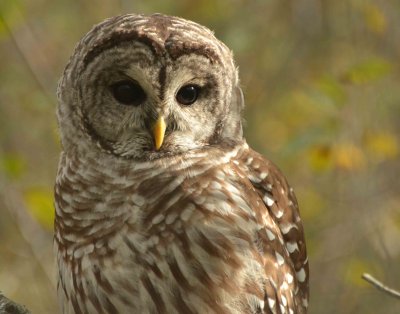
(321, 80)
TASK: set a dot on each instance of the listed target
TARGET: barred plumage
(202, 224)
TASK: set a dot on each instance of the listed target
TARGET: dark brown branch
(379, 285)
(9, 307)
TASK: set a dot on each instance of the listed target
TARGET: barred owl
(161, 206)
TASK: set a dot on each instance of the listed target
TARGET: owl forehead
(164, 35)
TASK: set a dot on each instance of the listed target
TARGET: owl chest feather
(155, 239)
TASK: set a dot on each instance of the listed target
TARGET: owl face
(147, 87)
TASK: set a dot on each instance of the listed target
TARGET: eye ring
(188, 94)
(128, 93)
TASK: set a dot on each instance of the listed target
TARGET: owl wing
(281, 236)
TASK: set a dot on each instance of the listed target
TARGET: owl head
(143, 87)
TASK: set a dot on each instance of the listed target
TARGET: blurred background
(321, 80)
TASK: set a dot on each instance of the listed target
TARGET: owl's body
(193, 222)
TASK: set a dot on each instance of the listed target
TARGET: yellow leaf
(320, 157)
(382, 145)
(374, 18)
(39, 201)
(348, 157)
(367, 71)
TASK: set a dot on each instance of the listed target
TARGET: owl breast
(145, 239)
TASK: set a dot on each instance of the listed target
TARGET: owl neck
(98, 196)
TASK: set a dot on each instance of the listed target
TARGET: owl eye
(128, 93)
(188, 94)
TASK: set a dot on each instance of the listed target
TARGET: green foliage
(330, 91)
(367, 71)
(39, 201)
(12, 165)
(356, 266)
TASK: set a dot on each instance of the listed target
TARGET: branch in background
(377, 284)
(9, 307)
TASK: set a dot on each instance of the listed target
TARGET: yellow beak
(158, 132)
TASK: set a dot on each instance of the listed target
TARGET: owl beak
(158, 132)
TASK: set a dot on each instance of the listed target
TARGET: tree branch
(9, 307)
(379, 285)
